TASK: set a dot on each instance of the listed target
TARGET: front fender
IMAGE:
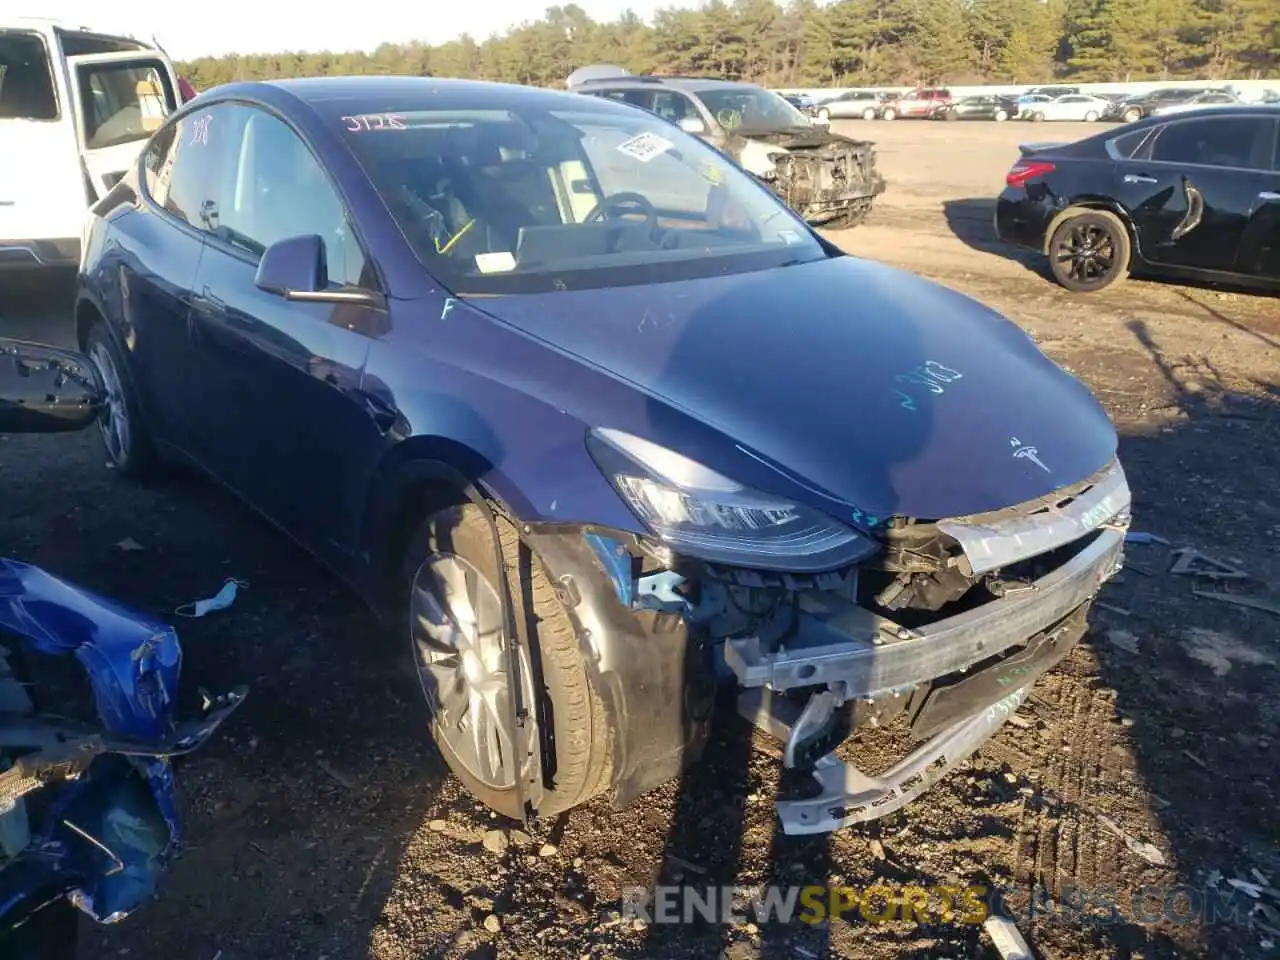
(656, 679)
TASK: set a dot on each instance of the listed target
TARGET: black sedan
(978, 108)
(1195, 195)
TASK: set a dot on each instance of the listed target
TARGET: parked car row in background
(1035, 104)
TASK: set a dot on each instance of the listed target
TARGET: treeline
(843, 43)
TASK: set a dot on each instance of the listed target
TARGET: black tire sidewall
(1119, 238)
(139, 461)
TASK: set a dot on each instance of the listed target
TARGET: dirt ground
(1144, 769)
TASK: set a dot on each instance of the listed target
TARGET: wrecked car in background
(88, 814)
(830, 180)
(593, 420)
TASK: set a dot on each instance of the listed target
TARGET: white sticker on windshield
(789, 237)
(645, 147)
(499, 262)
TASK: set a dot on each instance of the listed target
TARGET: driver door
(120, 99)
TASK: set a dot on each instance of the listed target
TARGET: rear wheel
(869, 113)
(889, 113)
(119, 424)
(1089, 251)
(457, 639)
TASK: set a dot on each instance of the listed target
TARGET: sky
(188, 30)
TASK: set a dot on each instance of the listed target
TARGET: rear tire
(1089, 251)
(565, 704)
(124, 436)
(868, 114)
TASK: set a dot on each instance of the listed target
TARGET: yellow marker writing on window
(455, 238)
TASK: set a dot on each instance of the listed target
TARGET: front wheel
(1091, 116)
(1089, 251)
(1001, 116)
(458, 640)
(824, 115)
(1037, 117)
(889, 113)
(120, 425)
(1132, 114)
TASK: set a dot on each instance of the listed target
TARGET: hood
(813, 138)
(861, 382)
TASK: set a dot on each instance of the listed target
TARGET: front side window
(751, 110)
(123, 102)
(1242, 142)
(567, 197)
(26, 80)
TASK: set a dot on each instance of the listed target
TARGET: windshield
(500, 201)
(26, 82)
(751, 110)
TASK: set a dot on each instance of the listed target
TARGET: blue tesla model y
(598, 423)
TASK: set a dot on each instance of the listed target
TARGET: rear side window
(26, 80)
(1126, 146)
(1240, 142)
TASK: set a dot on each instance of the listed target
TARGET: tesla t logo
(1023, 452)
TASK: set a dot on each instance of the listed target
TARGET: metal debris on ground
(1254, 603)
(1007, 938)
(1192, 563)
(1148, 852)
(1113, 608)
(1137, 536)
(338, 778)
(129, 545)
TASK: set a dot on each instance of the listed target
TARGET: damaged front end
(945, 628)
(87, 811)
(830, 180)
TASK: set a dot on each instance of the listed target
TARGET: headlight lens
(703, 514)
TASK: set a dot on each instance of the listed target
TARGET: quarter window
(26, 82)
(187, 162)
(123, 102)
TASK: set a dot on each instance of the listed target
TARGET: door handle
(1139, 178)
(1268, 195)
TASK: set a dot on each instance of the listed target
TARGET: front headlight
(702, 514)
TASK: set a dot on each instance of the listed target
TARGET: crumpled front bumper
(108, 821)
(976, 666)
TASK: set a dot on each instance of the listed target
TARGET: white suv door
(120, 100)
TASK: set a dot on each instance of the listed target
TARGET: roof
(48, 24)
(678, 83)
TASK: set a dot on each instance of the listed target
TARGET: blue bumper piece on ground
(107, 823)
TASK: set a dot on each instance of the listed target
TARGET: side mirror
(693, 125)
(45, 389)
(296, 269)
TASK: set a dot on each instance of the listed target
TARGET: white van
(75, 108)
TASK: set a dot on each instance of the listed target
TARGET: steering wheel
(619, 201)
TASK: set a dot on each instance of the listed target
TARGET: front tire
(1037, 117)
(1089, 251)
(1001, 116)
(889, 113)
(1091, 116)
(456, 638)
(824, 115)
(1132, 114)
(124, 436)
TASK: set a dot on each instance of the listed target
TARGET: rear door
(120, 100)
(1191, 187)
(42, 192)
(1260, 247)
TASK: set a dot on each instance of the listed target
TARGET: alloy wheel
(456, 630)
(1090, 251)
(113, 421)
